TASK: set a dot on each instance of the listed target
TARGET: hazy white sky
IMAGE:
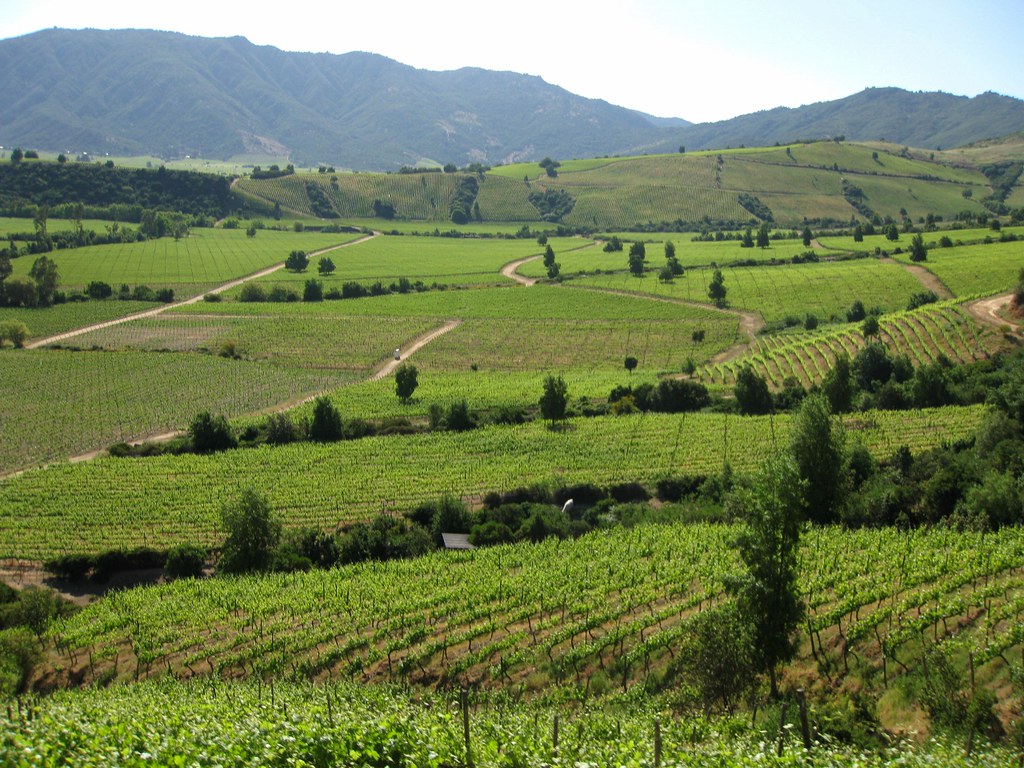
(701, 61)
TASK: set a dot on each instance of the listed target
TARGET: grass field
(203, 259)
(120, 503)
(825, 290)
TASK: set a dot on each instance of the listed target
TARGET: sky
(699, 60)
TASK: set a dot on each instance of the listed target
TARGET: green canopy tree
(767, 595)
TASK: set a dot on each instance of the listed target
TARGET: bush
(98, 290)
(13, 331)
(74, 568)
(677, 487)
(19, 654)
(252, 292)
(209, 434)
(280, 429)
(185, 561)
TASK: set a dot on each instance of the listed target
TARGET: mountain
(926, 120)
(168, 94)
(134, 91)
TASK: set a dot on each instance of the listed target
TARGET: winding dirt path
(509, 270)
(750, 322)
(389, 367)
(194, 300)
(924, 276)
(987, 311)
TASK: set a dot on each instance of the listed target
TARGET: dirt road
(194, 300)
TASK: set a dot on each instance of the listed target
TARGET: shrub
(209, 434)
(314, 291)
(185, 561)
(98, 290)
(13, 331)
(326, 424)
(253, 532)
(252, 292)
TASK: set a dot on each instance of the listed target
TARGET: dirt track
(987, 311)
(194, 300)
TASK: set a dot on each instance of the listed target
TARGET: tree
(807, 236)
(250, 231)
(717, 289)
(870, 326)
(698, 336)
(405, 381)
(818, 445)
(553, 270)
(918, 250)
(43, 240)
(325, 266)
(892, 234)
(682, 149)
(858, 234)
(210, 434)
(767, 594)
(62, 158)
(44, 273)
(763, 240)
(631, 363)
(747, 241)
(17, 155)
(297, 261)
(838, 385)
(856, 312)
(313, 291)
(637, 256)
(549, 256)
(326, 424)
(613, 245)
(670, 250)
(253, 533)
(554, 400)
(751, 391)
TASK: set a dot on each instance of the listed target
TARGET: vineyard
(49, 321)
(165, 500)
(923, 335)
(62, 403)
(975, 269)
(174, 724)
(191, 265)
(598, 614)
(825, 290)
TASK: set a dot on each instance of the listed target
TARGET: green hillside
(831, 182)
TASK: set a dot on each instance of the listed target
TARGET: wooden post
(464, 697)
(554, 737)
(970, 659)
(805, 730)
(657, 743)
(782, 726)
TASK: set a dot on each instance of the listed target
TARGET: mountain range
(167, 94)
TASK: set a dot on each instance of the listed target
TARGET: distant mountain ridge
(168, 94)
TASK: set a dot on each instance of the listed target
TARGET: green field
(191, 265)
(825, 290)
(976, 269)
(60, 404)
(120, 503)
(431, 259)
(49, 321)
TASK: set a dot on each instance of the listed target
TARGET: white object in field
(567, 507)
(398, 354)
